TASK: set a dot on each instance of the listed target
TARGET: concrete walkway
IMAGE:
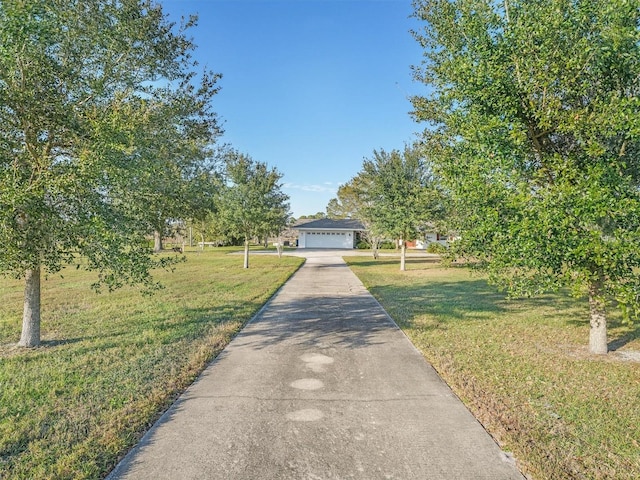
(320, 385)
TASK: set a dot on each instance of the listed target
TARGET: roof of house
(329, 223)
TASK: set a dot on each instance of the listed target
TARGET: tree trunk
(246, 253)
(157, 241)
(403, 253)
(31, 314)
(597, 310)
(375, 246)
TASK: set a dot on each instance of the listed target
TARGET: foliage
(535, 128)
(88, 93)
(211, 228)
(179, 174)
(401, 194)
(348, 202)
(435, 247)
(251, 204)
(522, 368)
(315, 216)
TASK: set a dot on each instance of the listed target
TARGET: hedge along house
(329, 233)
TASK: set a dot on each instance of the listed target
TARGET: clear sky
(310, 87)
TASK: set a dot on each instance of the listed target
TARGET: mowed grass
(111, 363)
(522, 367)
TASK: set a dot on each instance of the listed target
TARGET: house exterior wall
(431, 238)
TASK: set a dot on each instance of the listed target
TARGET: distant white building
(328, 233)
(429, 237)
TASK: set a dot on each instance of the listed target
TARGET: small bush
(435, 247)
(362, 245)
(387, 246)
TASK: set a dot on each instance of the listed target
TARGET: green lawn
(111, 363)
(522, 367)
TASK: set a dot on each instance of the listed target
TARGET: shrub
(435, 247)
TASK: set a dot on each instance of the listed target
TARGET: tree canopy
(315, 216)
(348, 202)
(399, 194)
(97, 98)
(179, 164)
(352, 201)
(251, 204)
(534, 125)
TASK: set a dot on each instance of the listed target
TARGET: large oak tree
(84, 89)
(535, 125)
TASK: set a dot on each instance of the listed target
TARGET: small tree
(400, 195)
(535, 128)
(251, 204)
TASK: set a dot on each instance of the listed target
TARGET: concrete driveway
(320, 385)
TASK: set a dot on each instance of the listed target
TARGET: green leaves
(401, 193)
(251, 204)
(534, 110)
(102, 128)
(92, 136)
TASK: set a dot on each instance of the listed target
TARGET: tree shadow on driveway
(354, 321)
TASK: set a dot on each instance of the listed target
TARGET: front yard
(522, 367)
(111, 363)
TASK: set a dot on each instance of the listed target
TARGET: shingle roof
(329, 223)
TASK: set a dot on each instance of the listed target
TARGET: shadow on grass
(186, 324)
(562, 304)
(448, 301)
(410, 262)
(61, 342)
(473, 299)
(625, 339)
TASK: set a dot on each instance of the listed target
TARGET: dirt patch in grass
(628, 355)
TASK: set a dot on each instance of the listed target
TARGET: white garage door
(326, 240)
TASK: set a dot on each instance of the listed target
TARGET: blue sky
(309, 86)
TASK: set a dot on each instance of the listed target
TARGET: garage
(326, 240)
(328, 233)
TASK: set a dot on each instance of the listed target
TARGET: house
(428, 238)
(328, 233)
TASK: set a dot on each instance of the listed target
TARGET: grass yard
(522, 367)
(111, 363)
